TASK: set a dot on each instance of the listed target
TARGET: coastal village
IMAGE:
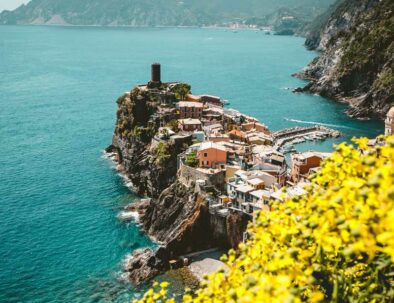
(206, 171)
(235, 162)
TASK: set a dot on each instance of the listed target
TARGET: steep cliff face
(181, 222)
(357, 60)
(179, 219)
(176, 216)
(151, 165)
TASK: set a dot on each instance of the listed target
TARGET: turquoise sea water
(60, 240)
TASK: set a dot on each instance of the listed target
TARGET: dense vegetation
(357, 63)
(191, 159)
(181, 90)
(152, 12)
(335, 244)
(369, 47)
(161, 153)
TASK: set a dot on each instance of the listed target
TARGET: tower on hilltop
(156, 76)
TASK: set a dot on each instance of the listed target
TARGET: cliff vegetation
(357, 60)
(153, 12)
(151, 165)
(335, 244)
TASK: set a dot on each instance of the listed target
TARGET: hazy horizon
(11, 4)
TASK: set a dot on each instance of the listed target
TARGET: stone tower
(156, 73)
(389, 122)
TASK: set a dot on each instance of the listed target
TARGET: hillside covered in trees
(356, 38)
(154, 12)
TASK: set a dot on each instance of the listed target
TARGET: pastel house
(303, 163)
(212, 155)
(190, 125)
(188, 109)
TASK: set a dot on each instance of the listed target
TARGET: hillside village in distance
(235, 161)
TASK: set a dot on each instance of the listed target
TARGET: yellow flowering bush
(335, 244)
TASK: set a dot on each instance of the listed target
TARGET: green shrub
(191, 159)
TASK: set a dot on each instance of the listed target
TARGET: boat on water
(308, 138)
(319, 136)
(315, 137)
(291, 151)
(288, 148)
(226, 102)
(298, 140)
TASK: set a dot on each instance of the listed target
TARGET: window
(205, 155)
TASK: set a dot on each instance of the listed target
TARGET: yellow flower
(336, 243)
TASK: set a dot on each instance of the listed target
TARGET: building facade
(190, 125)
(192, 110)
(212, 155)
(301, 164)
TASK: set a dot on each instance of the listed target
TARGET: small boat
(298, 140)
(314, 137)
(320, 136)
(288, 148)
(226, 102)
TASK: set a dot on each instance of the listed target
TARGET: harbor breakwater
(296, 135)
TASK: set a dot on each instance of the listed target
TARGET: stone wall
(188, 175)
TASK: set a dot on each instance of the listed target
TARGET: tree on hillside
(181, 90)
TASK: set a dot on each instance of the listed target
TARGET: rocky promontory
(175, 215)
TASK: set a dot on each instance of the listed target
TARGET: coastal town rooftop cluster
(235, 161)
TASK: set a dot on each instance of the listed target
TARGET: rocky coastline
(197, 193)
(356, 61)
(174, 216)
